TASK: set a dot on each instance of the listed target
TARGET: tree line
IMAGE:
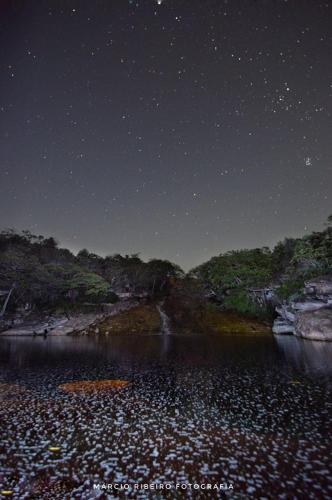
(36, 271)
(231, 277)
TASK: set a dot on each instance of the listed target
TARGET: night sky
(177, 128)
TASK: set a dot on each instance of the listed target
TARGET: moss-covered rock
(140, 319)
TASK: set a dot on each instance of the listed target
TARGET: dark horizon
(179, 130)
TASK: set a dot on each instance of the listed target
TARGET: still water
(247, 413)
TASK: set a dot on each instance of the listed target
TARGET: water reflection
(312, 357)
(141, 353)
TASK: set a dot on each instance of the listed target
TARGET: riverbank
(155, 318)
(57, 324)
(141, 318)
(134, 317)
(204, 317)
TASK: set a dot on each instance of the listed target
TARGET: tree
(124, 273)
(90, 261)
(89, 285)
(236, 269)
(158, 273)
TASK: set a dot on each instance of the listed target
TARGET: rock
(310, 317)
(319, 286)
(18, 321)
(314, 325)
(308, 305)
(67, 331)
(286, 313)
(54, 326)
(282, 326)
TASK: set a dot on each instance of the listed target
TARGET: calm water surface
(254, 412)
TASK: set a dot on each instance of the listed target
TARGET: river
(248, 415)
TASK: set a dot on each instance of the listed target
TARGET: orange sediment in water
(93, 385)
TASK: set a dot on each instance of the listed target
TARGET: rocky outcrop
(282, 326)
(310, 317)
(314, 325)
(308, 305)
(76, 323)
(286, 313)
(53, 326)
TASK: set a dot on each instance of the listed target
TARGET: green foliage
(45, 275)
(301, 259)
(292, 261)
(282, 255)
(316, 247)
(291, 288)
(292, 284)
(237, 269)
(157, 274)
(240, 302)
(131, 274)
(89, 285)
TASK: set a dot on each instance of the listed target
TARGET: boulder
(311, 316)
(282, 327)
(286, 313)
(308, 305)
(314, 325)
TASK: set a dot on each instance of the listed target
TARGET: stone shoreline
(61, 325)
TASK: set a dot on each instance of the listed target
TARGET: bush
(240, 302)
(290, 289)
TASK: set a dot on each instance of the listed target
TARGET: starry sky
(174, 128)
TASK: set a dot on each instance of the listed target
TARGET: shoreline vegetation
(47, 290)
